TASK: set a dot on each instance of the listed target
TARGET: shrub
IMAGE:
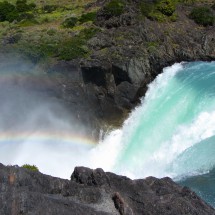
(146, 8)
(31, 167)
(70, 22)
(213, 6)
(49, 8)
(77, 46)
(5, 9)
(20, 11)
(115, 7)
(32, 6)
(159, 10)
(22, 6)
(166, 7)
(88, 33)
(71, 49)
(202, 16)
(26, 16)
(157, 16)
(88, 17)
(51, 32)
(14, 15)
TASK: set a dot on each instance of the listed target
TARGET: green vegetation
(31, 167)
(56, 45)
(160, 10)
(202, 16)
(20, 11)
(42, 30)
(166, 7)
(49, 8)
(115, 7)
(91, 16)
(53, 29)
(5, 10)
(146, 8)
(77, 46)
(70, 22)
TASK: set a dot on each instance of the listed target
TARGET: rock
(93, 192)
(127, 53)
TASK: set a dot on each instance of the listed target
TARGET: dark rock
(93, 192)
(89, 177)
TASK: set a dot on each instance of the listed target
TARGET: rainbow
(70, 138)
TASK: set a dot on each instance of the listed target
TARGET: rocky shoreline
(90, 191)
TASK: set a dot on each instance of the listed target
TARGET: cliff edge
(90, 191)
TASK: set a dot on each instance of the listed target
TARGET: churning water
(171, 133)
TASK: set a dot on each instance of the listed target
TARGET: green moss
(115, 7)
(202, 16)
(31, 167)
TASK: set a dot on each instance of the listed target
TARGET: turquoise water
(172, 132)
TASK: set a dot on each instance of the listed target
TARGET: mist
(36, 127)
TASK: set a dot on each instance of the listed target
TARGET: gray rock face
(93, 192)
(131, 51)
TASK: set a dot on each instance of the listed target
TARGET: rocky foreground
(93, 192)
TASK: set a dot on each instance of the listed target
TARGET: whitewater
(171, 133)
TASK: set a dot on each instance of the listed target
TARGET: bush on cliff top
(202, 16)
(30, 167)
(77, 46)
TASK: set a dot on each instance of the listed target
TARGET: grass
(44, 36)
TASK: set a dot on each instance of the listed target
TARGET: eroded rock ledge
(93, 192)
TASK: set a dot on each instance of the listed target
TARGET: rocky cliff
(90, 191)
(128, 53)
(126, 46)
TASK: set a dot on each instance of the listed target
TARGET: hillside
(107, 51)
